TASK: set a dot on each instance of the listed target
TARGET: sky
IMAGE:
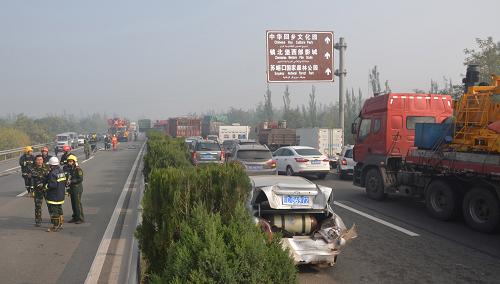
(159, 59)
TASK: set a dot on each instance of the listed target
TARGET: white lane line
(390, 225)
(8, 170)
(100, 257)
(22, 193)
(88, 159)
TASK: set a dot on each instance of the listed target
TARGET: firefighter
(86, 148)
(39, 175)
(114, 142)
(65, 155)
(26, 162)
(75, 189)
(45, 155)
(55, 187)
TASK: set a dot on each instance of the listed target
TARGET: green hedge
(195, 227)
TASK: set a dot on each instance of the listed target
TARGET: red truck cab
(385, 129)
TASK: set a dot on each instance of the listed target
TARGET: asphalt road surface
(399, 243)
(97, 251)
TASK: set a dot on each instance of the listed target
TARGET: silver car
(256, 158)
(301, 212)
(345, 165)
(206, 152)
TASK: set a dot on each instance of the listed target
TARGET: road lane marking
(22, 193)
(8, 170)
(378, 220)
(100, 257)
(88, 159)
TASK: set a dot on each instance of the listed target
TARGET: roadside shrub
(13, 138)
(212, 251)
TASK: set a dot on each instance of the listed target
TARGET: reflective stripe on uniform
(55, 202)
(61, 179)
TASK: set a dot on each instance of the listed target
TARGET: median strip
(378, 220)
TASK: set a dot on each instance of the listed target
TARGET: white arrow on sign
(327, 55)
(328, 71)
(327, 40)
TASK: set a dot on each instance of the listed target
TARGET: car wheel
(440, 200)
(481, 210)
(289, 171)
(374, 186)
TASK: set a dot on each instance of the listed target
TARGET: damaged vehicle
(300, 211)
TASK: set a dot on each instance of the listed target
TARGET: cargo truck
(327, 140)
(184, 127)
(233, 132)
(275, 135)
(406, 144)
(119, 127)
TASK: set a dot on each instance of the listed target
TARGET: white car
(345, 165)
(300, 211)
(301, 160)
(81, 140)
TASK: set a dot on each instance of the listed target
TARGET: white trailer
(327, 140)
(230, 132)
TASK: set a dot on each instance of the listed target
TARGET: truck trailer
(327, 140)
(406, 144)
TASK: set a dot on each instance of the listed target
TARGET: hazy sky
(165, 58)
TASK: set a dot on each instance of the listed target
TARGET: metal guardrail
(14, 153)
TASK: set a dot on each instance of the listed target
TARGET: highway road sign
(299, 56)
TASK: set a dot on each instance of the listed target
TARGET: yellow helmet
(27, 149)
(72, 157)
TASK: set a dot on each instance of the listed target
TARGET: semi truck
(233, 132)
(184, 127)
(275, 135)
(419, 145)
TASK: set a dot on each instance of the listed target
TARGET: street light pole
(341, 73)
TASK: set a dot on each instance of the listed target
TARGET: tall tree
(375, 80)
(487, 57)
(312, 108)
(268, 105)
(286, 100)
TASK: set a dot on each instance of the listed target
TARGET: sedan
(301, 160)
(300, 212)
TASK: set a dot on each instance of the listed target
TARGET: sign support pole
(341, 73)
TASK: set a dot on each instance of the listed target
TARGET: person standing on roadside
(86, 148)
(114, 142)
(39, 175)
(75, 189)
(26, 162)
(56, 181)
(65, 155)
(45, 155)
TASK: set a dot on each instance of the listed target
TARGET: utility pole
(341, 73)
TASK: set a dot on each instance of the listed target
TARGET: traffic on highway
(244, 142)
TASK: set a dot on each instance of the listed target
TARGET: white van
(67, 139)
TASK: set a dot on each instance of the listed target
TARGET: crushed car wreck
(300, 210)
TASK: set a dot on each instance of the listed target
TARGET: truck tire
(374, 186)
(289, 171)
(440, 200)
(481, 210)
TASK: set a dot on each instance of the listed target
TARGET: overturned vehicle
(300, 210)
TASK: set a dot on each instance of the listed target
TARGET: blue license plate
(315, 162)
(295, 200)
(207, 157)
(255, 168)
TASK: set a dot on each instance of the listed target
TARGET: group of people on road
(47, 177)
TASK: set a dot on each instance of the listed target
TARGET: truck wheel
(440, 200)
(481, 210)
(289, 171)
(374, 186)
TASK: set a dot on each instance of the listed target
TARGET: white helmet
(54, 161)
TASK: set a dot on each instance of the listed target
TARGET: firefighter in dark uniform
(65, 155)
(56, 183)
(26, 162)
(39, 174)
(45, 155)
(75, 189)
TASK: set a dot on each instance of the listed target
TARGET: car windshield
(254, 155)
(206, 146)
(307, 152)
(62, 138)
(348, 153)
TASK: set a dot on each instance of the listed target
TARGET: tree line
(20, 130)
